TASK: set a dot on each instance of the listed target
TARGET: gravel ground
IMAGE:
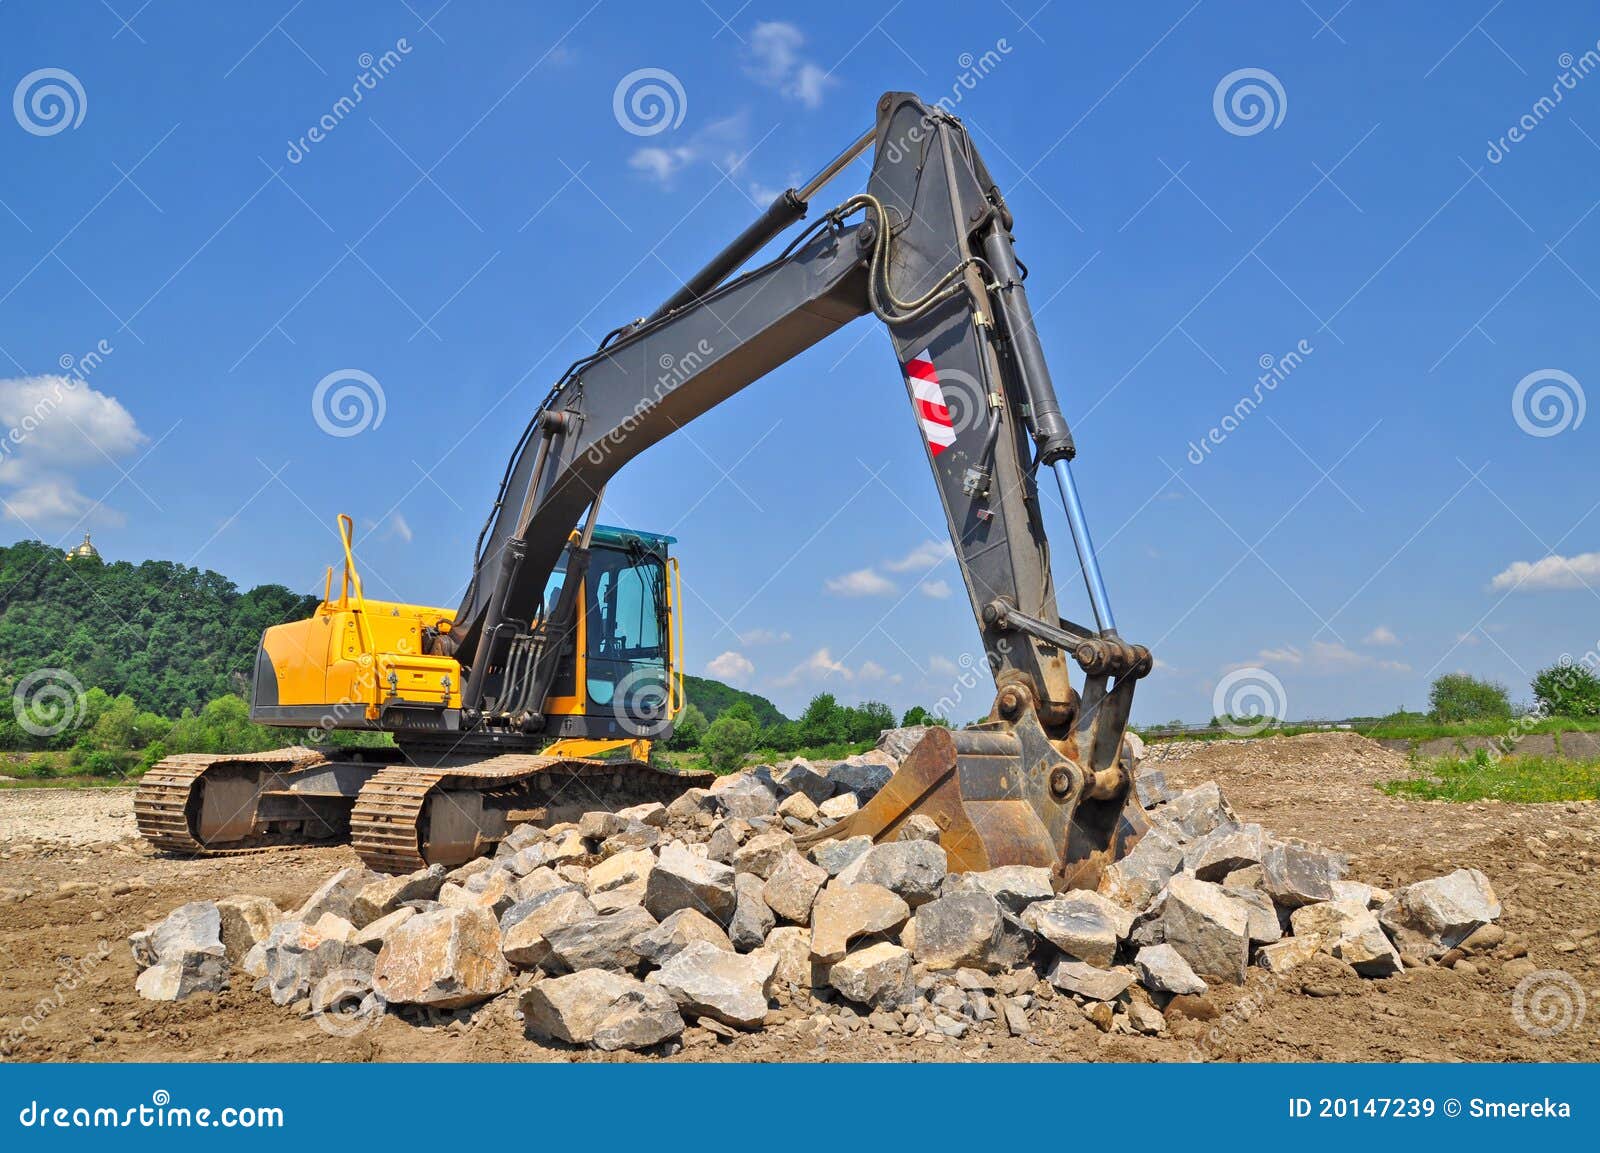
(74, 879)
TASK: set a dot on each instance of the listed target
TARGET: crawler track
(166, 806)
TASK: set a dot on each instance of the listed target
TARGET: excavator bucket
(1005, 796)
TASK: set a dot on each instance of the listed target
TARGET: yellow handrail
(352, 579)
(675, 694)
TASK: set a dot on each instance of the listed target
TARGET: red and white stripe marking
(928, 399)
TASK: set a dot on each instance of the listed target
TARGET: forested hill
(169, 636)
(713, 698)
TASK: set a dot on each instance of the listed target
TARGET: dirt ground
(73, 876)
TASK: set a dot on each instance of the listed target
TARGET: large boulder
(446, 958)
(382, 895)
(1207, 926)
(914, 870)
(1139, 877)
(181, 955)
(244, 922)
(1431, 917)
(665, 941)
(623, 870)
(1294, 875)
(844, 912)
(762, 852)
(1014, 886)
(874, 975)
(524, 926)
(1351, 933)
(1162, 969)
(865, 774)
(798, 777)
(1264, 927)
(729, 987)
(752, 920)
(604, 1009)
(744, 795)
(792, 887)
(682, 880)
(296, 958)
(600, 942)
(836, 855)
(898, 743)
(1199, 810)
(967, 930)
(1083, 925)
(337, 895)
(1226, 848)
(1089, 981)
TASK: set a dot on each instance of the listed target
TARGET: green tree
(824, 722)
(868, 719)
(1567, 690)
(1461, 697)
(728, 740)
(691, 727)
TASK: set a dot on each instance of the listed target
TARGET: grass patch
(1386, 729)
(1522, 780)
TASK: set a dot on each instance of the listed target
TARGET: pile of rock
(621, 929)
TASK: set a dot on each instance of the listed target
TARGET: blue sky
(484, 215)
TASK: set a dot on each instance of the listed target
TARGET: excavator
(536, 698)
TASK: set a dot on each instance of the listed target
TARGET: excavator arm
(927, 250)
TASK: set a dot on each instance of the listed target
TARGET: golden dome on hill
(84, 549)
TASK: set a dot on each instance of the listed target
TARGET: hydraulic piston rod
(1088, 560)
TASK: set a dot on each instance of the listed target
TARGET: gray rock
(244, 922)
(1014, 886)
(188, 972)
(874, 975)
(1162, 969)
(723, 843)
(620, 871)
(913, 870)
(1199, 810)
(844, 912)
(799, 777)
(1293, 875)
(791, 889)
(898, 743)
(1083, 925)
(1264, 927)
(599, 825)
(1351, 933)
(752, 920)
(371, 937)
(448, 958)
(689, 805)
(967, 930)
(524, 926)
(594, 1007)
(603, 942)
(382, 895)
(682, 880)
(1434, 916)
(652, 813)
(1226, 848)
(296, 958)
(839, 807)
(1151, 787)
(863, 775)
(1087, 980)
(664, 942)
(729, 987)
(194, 928)
(761, 853)
(1249, 877)
(919, 827)
(337, 895)
(835, 856)
(1136, 880)
(1209, 928)
(746, 796)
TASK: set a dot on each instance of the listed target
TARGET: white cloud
(865, 582)
(938, 590)
(50, 427)
(776, 61)
(925, 556)
(764, 637)
(731, 666)
(820, 665)
(1322, 658)
(1553, 572)
(722, 142)
(944, 666)
(1382, 635)
(872, 671)
(399, 528)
